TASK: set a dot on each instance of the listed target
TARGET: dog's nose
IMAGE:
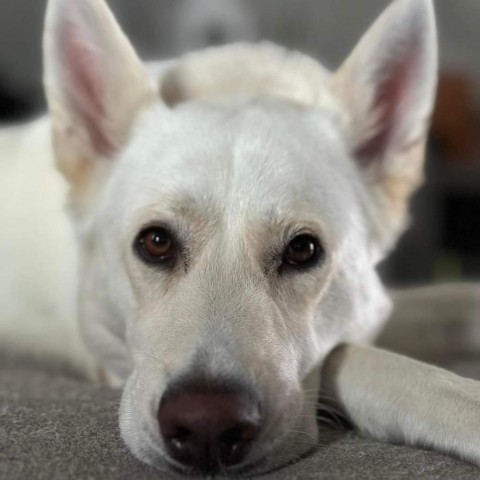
(207, 430)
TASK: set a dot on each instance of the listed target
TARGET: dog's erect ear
(388, 87)
(95, 84)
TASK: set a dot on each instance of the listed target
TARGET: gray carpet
(56, 427)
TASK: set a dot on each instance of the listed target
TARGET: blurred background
(443, 242)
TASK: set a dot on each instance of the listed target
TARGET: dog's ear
(388, 87)
(95, 85)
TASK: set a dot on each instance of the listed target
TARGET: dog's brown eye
(156, 245)
(303, 251)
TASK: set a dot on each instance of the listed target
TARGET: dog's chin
(282, 445)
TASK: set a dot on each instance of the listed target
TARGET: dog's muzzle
(207, 428)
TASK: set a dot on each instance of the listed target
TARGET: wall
(325, 28)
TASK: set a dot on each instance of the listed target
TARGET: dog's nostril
(208, 430)
(233, 443)
(242, 434)
(180, 438)
(231, 437)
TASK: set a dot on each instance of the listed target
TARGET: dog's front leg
(396, 399)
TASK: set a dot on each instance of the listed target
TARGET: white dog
(229, 209)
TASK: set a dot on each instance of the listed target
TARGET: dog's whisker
(328, 422)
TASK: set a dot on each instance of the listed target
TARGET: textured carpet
(56, 427)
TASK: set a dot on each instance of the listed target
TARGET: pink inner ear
(388, 105)
(85, 88)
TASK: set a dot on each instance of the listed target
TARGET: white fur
(236, 162)
(38, 277)
(406, 401)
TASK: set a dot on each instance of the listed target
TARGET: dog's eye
(303, 251)
(156, 245)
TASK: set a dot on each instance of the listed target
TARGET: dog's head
(231, 209)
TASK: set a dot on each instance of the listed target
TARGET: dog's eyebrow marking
(192, 220)
(201, 214)
(291, 225)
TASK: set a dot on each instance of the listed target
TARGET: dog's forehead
(246, 158)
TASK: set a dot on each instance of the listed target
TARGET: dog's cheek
(354, 309)
(295, 434)
(138, 414)
(300, 302)
(129, 422)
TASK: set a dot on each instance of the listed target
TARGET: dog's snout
(207, 430)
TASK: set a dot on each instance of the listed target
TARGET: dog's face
(230, 223)
(231, 255)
